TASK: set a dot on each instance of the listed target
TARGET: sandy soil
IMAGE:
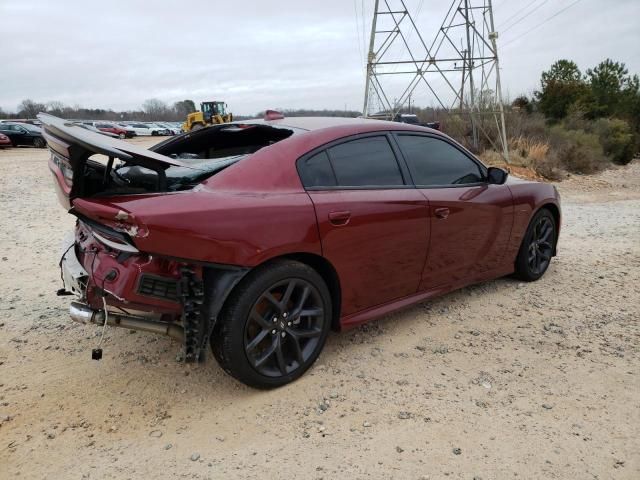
(499, 380)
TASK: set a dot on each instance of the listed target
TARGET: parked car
(4, 141)
(260, 236)
(413, 119)
(158, 129)
(89, 126)
(137, 128)
(171, 129)
(121, 132)
(23, 134)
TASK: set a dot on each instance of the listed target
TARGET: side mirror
(497, 176)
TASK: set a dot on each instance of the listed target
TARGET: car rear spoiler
(62, 136)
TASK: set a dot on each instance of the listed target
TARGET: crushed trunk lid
(71, 146)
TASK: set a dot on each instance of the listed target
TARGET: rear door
(373, 224)
(17, 134)
(471, 219)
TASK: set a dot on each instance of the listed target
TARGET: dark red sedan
(115, 129)
(261, 236)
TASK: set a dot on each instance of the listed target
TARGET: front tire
(39, 143)
(537, 248)
(274, 325)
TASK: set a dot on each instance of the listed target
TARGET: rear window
(316, 171)
(367, 161)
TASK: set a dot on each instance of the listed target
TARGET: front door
(470, 219)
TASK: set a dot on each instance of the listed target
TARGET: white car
(171, 129)
(158, 129)
(139, 128)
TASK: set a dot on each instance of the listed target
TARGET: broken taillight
(65, 168)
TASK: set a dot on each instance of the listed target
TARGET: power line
(542, 23)
(524, 17)
(518, 12)
(360, 49)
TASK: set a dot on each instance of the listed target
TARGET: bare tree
(155, 109)
(55, 108)
(29, 109)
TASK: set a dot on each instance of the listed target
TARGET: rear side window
(316, 171)
(367, 161)
(434, 162)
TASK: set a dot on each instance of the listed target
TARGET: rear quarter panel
(236, 228)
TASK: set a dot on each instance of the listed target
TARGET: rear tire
(537, 248)
(274, 325)
(122, 136)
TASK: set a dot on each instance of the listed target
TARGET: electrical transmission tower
(458, 68)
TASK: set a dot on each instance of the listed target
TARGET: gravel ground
(499, 380)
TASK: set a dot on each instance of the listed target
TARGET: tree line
(151, 109)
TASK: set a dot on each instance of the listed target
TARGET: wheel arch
(320, 264)
(555, 211)
(328, 273)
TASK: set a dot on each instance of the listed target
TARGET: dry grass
(528, 158)
(528, 152)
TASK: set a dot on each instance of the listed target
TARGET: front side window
(434, 162)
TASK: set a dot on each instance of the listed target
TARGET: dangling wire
(106, 318)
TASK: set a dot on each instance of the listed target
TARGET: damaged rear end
(120, 194)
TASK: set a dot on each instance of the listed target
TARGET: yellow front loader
(210, 113)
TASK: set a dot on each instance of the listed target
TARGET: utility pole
(370, 60)
(462, 80)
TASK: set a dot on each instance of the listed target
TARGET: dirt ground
(499, 380)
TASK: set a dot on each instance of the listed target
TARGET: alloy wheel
(284, 327)
(540, 248)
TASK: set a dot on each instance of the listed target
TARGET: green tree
(612, 91)
(523, 104)
(184, 108)
(562, 85)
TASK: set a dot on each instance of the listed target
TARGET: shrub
(524, 125)
(531, 151)
(576, 150)
(550, 167)
(617, 139)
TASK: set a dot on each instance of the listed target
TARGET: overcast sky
(257, 54)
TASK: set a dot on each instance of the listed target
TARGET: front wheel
(537, 247)
(39, 143)
(274, 325)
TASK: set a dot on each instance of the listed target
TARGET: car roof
(319, 123)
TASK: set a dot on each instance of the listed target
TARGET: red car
(261, 236)
(4, 141)
(115, 129)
